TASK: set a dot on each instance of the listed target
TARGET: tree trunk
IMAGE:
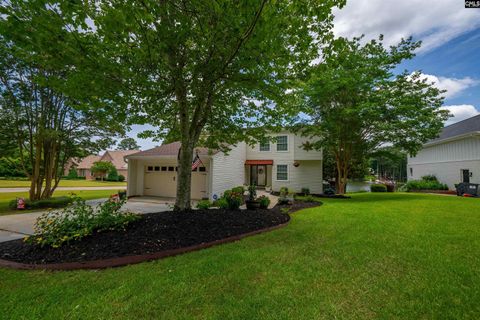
(184, 177)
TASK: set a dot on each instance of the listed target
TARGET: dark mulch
(155, 232)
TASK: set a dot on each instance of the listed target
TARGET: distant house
(453, 157)
(72, 163)
(115, 157)
(270, 165)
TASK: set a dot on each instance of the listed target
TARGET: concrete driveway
(17, 226)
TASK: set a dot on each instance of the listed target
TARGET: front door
(466, 175)
(258, 175)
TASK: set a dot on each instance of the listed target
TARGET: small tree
(128, 144)
(102, 168)
(357, 104)
(112, 174)
(72, 174)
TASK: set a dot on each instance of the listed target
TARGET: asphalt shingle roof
(169, 149)
(460, 128)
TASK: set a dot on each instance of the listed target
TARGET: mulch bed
(155, 233)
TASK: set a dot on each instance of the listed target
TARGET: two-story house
(281, 162)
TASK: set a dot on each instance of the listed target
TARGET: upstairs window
(265, 146)
(282, 143)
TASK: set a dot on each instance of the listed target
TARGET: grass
(6, 197)
(403, 256)
(63, 183)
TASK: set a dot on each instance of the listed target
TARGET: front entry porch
(259, 173)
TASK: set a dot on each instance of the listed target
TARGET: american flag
(196, 162)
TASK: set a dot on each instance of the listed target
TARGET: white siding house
(282, 162)
(453, 157)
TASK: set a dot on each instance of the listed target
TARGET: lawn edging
(134, 259)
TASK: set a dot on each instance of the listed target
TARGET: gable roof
(88, 161)
(117, 157)
(167, 150)
(464, 127)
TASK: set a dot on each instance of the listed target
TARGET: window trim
(288, 172)
(267, 143)
(286, 136)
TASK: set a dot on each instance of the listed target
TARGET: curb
(128, 260)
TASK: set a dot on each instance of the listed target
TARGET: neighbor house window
(171, 168)
(265, 146)
(164, 168)
(282, 143)
(157, 168)
(150, 168)
(282, 172)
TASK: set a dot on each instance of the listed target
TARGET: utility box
(467, 188)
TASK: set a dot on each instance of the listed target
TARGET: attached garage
(154, 173)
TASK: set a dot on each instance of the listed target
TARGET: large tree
(41, 123)
(357, 104)
(208, 72)
(128, 144)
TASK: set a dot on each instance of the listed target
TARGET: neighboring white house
(280, 163)
(453, 157)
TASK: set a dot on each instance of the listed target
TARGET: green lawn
(401, 256)
(63, 183)
(6, 197)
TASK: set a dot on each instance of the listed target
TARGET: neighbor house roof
(88, 161)
(167, 150)
(117, 157)
(459, 129)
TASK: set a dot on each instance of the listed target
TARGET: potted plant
(251, 203)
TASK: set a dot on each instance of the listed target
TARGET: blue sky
(450, 54)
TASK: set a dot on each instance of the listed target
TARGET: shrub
(58, 202)
(234, 199)
(283, 191)
(77, 221)
(204, 204)
(430, 177)
(424, 185)
(113, 175)
(264, 202)
(221, 203)
(239, 189)
(378, 188)
(72, 174)
(121, 177)
(305, 191)
(122, 194)
(309, 198)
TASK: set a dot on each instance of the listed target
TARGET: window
(265, 146)
(282, 143)
(411, 172)
(164, 168)
(157, 168)
(149, 168)
(171, 169)
(282, 172)
(202, 169)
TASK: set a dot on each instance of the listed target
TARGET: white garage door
(161, 181)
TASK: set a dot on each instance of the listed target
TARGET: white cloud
(453, 86)
(460, 112)
(435, 23)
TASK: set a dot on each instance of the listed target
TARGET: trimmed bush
(430, 177)
(204, 204)
(221, 203)
(420, 185)
(305, 191)
(234, 199)
(378, 188)
(58, 202)
(121, 177)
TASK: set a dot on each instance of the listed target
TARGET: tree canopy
(208, 72)
(357, 104)
(128, 144)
